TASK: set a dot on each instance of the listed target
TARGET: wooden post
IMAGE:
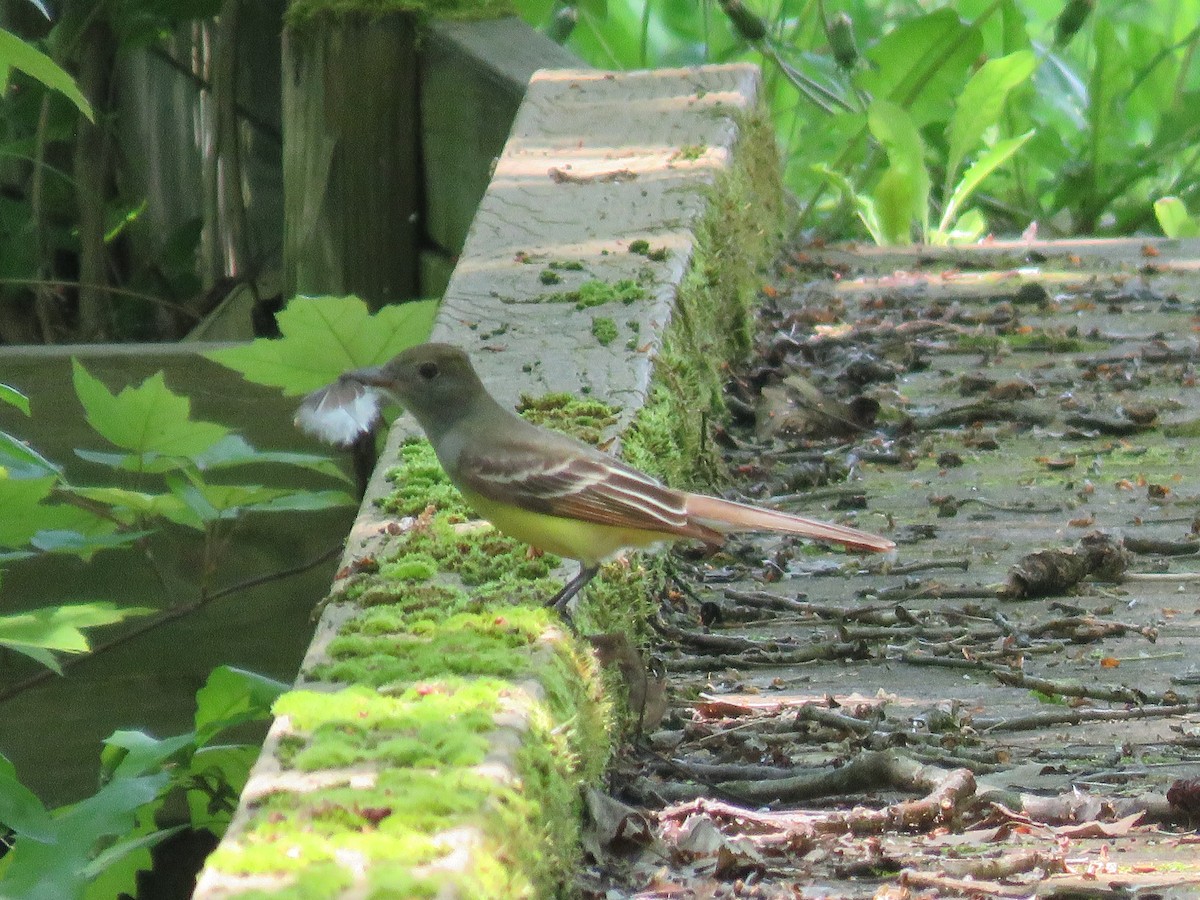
(351, 169)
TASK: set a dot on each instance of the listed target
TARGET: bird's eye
(428, 370)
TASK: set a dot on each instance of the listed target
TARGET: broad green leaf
(1174, 220)
(977, 172)
(231, 697)
(143, 463)
(82, 545)
(864, 206)
(968, 228)
(13, 397)
(326, 336)
(980, 104)
(133, 753)
(59, 627)
(307, 501)
(132, 507)
(235, 450)
(902, 193)
(147, 419)
(232, 450)
(21, 460)
(20, 809)
(222, 501)
(110, 856)
(58, 870)
(921, 64)
(227, 764)
(18, 54)
(22, 514)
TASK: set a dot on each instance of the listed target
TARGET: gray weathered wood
(473, 76)
(350, 157)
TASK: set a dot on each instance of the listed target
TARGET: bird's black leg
(560, 600)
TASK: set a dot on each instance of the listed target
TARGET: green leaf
(921, 64)
(902, 193)
(110, 856)
(235, 450)
(59, 627)
(20, 809)
(307, 501)
(23, 461)
(58, 870)
(148, 419)
(82, 545)
(21, 513)
(133, 753)
(326, 336)
(1174, 220)
(980, 104)
(232, 697)
(18, 54)
(864, 206)
(975, 175)
(132, 507)
(211, 502)
(13, 397)
(968, 228)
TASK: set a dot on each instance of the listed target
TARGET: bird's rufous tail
(726, 516)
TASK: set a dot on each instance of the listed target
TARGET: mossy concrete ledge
(445, 723)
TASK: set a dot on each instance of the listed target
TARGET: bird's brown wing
(575, 481)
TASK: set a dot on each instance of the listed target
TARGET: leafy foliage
(1075, 116)
(17, 54)
(326, 336)
(95, 848)
(173, 458)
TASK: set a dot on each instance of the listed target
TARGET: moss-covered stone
(712, 322)
(424, 672)
(604, 330)
(315, 12)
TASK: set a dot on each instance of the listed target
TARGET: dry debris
(1009, 709)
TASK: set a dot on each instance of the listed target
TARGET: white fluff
(339, 413)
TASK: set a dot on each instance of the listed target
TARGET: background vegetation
(881, 104)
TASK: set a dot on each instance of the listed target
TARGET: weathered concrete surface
(595, 161)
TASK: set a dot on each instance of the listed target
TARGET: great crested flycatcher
(540, 486)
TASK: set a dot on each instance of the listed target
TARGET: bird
(538, 485)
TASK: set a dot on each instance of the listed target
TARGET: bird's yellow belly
(588, 542)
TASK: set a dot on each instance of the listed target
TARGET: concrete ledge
(608, 192)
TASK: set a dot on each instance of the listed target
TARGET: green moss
(314, 12)
(548, 276)
(430, 725)
(587, 420)
(420, 483)
(689, 152)
(604, 330)
(712, 321)
(641, 247)
(593, 293)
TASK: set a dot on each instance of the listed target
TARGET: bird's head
(434, 382)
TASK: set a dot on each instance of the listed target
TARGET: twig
(763, 658)
(1048, 719)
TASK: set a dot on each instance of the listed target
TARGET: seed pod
(840, 32)
(746, 23)
(1070, 20)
